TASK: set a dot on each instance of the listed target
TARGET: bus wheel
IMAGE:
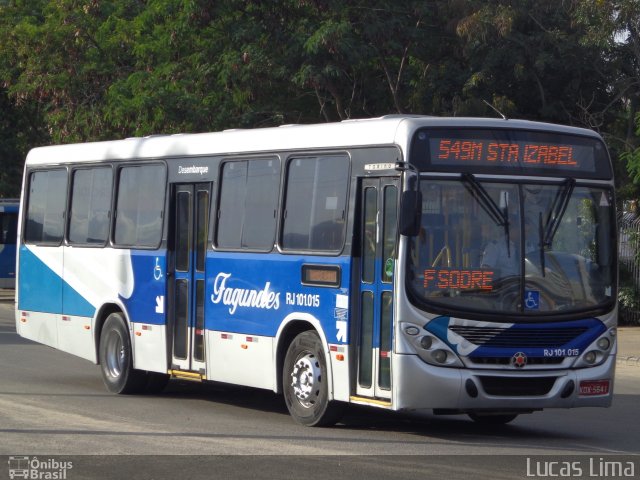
(304, 382)
(488, 419)
(116, 361)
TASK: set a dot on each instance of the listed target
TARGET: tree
(20, 129)
(528, 59)
(614, 28)
(101, 70)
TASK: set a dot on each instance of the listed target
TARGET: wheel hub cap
(305, 379)
(116, 355)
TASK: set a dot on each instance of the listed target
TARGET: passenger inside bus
(501, 253)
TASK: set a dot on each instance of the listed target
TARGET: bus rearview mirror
(410, 213)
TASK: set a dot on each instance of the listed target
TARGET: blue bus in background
(8, 230)
(461, 266)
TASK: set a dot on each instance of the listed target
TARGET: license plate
(594, 387)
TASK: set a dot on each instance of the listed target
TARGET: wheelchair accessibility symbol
(157, 271)
(531, 299)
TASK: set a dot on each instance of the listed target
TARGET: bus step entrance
(384, 403)
(184, 375)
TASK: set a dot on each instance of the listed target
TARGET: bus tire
(488, 419)
(116, 359)
(304, 383)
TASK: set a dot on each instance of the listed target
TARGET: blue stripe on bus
(253, 293)
(40, 288)
(43, 290)
(147, 303)
(248, 293)
(593, 328)
(74, 303)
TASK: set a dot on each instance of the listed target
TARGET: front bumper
(420, 386)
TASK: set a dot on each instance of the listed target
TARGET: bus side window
(248, 204)
(326, 236)
(140, 206)
(315, 203)
(90, 203)
(98, 230)
(46, 206)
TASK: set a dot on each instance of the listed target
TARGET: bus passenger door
(188, 235)
(379, 200)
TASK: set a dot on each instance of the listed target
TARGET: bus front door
(188, 248)
(379, 200)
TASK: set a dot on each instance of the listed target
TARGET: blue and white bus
(8, 229)
(408, 263)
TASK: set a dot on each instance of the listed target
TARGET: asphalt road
(54, 406)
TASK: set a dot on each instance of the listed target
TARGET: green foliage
(614, 28)
(80, 70)
(628, 294)
(632, 159)
(20, 129)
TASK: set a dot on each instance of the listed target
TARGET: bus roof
(388, 130)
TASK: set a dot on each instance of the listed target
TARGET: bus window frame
(72, 170)
(524, 316)
(347, 155)
(217, 195)
(25, 215)
(114, 202)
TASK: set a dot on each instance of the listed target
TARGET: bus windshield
(513, 248)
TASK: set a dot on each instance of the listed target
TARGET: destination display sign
(456, 279)
(528, 152)
(448, 150)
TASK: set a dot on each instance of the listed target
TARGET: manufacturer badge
(519, 360)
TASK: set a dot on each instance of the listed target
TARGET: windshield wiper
(480, 194)
(541, 243)
(559, 206)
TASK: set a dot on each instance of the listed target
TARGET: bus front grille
(517, 386)
(507, 360)
(520, 337)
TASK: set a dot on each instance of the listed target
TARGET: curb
(628, 361)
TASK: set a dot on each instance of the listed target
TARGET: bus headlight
(590, 357)
(597, 352)
(426, 342)
(440, 356)
(430, 348)
(603, 343)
